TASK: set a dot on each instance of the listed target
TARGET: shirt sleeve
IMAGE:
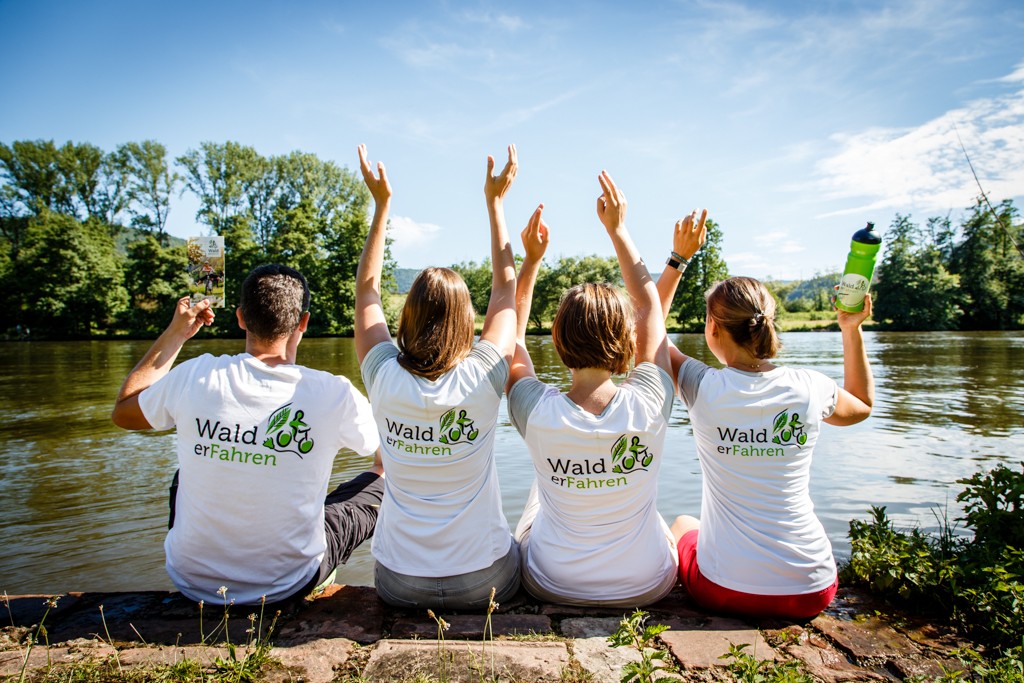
(159, 401)
(488, 355)
(691, 372)
(373, 361)
(828, 390)
(654, 385)
(359, 428)
(522, 399)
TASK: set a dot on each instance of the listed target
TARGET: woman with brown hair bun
(441, 540)
(758, 549)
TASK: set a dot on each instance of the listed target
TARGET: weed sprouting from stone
(633, 632)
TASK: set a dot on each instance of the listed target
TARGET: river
(83, 505)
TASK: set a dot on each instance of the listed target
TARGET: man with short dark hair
(257, 434)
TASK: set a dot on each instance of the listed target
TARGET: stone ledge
(316, 639)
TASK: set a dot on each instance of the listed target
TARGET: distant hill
(128, 234)
(404, 278)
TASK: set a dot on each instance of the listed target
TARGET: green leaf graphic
(780, 421)
(619, 449)
(279, 419)
(447, 419)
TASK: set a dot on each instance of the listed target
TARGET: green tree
(155, 278)
(32, 178)
(990, 268)
(913, 289)
(568, 272)
(478, 277)
(69, 278)
(706, 268)
(151, 184)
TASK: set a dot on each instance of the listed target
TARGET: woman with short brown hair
(591, 533)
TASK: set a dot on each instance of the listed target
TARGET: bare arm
(371, 327)
(500, 321)
(858, 393)
(157, 362)
(651, 342)
(688, 237)
(535, 243)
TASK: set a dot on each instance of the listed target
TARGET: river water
(83, 505)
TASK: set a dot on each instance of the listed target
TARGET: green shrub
(976, 583)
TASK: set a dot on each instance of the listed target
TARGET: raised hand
(690, 234)
(611, 205)
(378, 185)
(852, 321)
(495, 186)
(189, 319)
(535, 236)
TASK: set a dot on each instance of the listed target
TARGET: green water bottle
(860, 264)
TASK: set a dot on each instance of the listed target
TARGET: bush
(976, 583)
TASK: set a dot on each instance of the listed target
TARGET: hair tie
(758, 318)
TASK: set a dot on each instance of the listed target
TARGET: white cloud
(1016, 77)
(408, 233)
(924, 167)
(505, 22)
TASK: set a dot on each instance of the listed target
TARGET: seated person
(257, 436)
(591, 533)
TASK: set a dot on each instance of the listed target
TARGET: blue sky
(794, 123)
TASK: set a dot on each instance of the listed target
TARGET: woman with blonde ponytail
(758, 549)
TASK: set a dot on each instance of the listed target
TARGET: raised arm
(500, 321)
(651, 342)
(157, 362)
(688, 237)
(535, 243)
(371, 327)
(858, 392)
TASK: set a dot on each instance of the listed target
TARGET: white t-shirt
(755, 433)
(256, 445)
(441, 514)
(597, 534)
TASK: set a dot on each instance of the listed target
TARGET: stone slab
(828, 664)
(868, 641)
(604, 663)
(589, 627)
(151, 617)
(28, 610)
(927, 669)
(315, 661)
(350, 612)
(166, 655)
(471, 626)
(464, 661)
(701, 647)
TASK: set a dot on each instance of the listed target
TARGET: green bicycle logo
(788, 428)
(459, 429)
(629, 455)
(292, 436)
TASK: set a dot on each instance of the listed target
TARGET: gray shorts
(470, 591)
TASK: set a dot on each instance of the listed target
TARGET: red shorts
(715, 598)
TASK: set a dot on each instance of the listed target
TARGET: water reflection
(83, 505)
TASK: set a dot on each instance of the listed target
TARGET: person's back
(256, 439)
(442, 541)
(755, 435)
(442, 505)
(590, 532)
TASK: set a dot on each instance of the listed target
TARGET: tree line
(84, 249)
